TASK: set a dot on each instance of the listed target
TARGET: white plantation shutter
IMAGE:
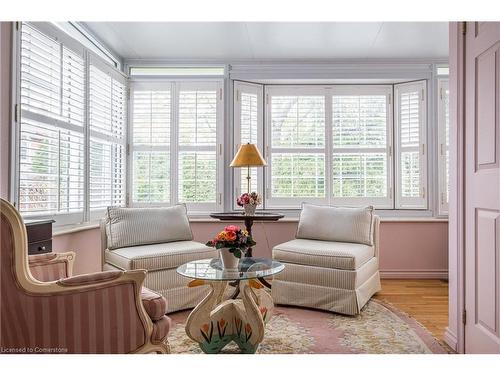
(151, 127)
(248, 128)
(361, 145)
(51, 132)
(444, 144)
(296, 143)
(411, 163)
(199, 113)
(107, 111)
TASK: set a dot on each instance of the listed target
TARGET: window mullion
(328, 146)
(174, 143)
(86, 127)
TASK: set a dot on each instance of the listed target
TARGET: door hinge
(422, 97)
(237, 95)
(267, 98)
(220, 148)
(16, 113)
(423, 148)
(389, 98)
(442, 198)
(128, 93)
(18, 25)
(220, 198)
(127, 199)
(220, 94)
(441, 93)
(423, 192)
(127, 148)
(390, 151)
(464, 28)
(464, 317)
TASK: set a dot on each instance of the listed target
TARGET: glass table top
(248, 268)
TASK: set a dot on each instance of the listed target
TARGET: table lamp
(248, 156)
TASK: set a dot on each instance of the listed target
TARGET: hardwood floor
(425, 300)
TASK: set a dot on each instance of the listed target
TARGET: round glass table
(217, 319)
(248, 268)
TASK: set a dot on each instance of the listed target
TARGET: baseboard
(450, 339)
(414, 274)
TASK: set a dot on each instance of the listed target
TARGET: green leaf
(237, 253)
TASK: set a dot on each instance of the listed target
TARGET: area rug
(379, 329)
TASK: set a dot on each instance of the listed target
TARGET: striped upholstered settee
(157, 240)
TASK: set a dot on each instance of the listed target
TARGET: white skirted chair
(157, 240)
(332, 264)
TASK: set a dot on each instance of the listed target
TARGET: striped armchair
(45, 310)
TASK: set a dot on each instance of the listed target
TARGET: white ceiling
(273, 40)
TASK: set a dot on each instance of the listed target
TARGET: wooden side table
(237, 216)
(248, 220)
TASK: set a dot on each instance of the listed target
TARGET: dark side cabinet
(39, 236)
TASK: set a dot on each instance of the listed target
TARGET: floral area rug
(379, 329)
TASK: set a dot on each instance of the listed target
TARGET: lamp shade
(248, 155)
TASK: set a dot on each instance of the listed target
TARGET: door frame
(455, 332)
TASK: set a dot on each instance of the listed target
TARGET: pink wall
(5, 47)
(407, 249)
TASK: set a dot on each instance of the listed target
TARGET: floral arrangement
(233, 238)
(253, 199)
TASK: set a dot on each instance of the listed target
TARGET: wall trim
(450, 339)
(414, 274)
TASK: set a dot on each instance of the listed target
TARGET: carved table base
(217, 321)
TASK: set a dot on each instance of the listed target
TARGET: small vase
(229, 261)
(249, 209)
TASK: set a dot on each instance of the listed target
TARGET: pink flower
(232, 228)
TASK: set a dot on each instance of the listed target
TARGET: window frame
(237, 173)
(328, 91)
(52, 31)
(421, 202)
(378, 202)
(443, 146)
(176, 86)
(294, 90)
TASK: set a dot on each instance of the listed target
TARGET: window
(361, 145)
(329, 144)
(411, 147)
(176, 150)
(296, 123)
(248, 128)
(107, 120)
(55, 131)
(444, 144)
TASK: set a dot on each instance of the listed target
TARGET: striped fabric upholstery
(173, 287)
(154, 303)
(341, 255)
(332, 276)
(96, 319)
(159, 256)
(49, 272)
(340, 224)
(140, 226)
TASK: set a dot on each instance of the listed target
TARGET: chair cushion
(154, 303)
(140, 226)
(341, 224)
(160, 329)
(159, 256)
(340, 255)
